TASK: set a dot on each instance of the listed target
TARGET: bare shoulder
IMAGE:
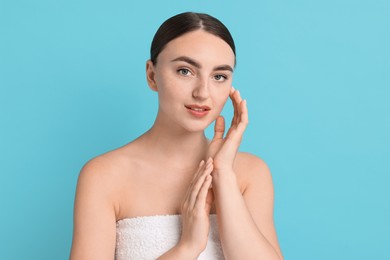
(95, 187)
(98, 181)
(94, 213)
(96, 207)
(114, 161)
(98, 170)
(106, 171)
(105, 164)
(252, 170)
(258, 194)
(251, 161)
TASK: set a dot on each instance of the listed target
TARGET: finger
(235, 119)
(209, 197)
(236, 134)
(200, 170)
(196, 175)
(232, 94)
(232, 90)
(243, 117)
(201, 165)
(237, 100)
(219, 128)
(198, 185)
(202, 196)
(199, 175)
(244, 112)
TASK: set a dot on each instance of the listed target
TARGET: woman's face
(193, 78)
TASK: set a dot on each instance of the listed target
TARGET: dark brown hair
(187, 22)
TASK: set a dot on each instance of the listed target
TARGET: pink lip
(198, 111)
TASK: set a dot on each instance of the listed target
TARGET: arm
(94, 215)
(245, 221)
(195, 216)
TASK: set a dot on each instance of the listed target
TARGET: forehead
(201, 46)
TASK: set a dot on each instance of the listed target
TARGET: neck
(178, 147)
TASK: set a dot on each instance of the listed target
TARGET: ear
(150, 75)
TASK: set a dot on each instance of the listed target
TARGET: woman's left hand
(224, 150)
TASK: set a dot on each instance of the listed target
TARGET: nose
(201, 90)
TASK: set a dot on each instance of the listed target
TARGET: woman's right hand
(196, 210)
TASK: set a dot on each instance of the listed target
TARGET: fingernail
(201, 163)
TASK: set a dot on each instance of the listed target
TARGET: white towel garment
(147, 238)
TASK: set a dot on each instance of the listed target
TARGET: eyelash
(180, 71)
(183, 69)
(221, 75)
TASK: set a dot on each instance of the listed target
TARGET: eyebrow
(197, 65)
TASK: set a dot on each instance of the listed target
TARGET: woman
(172, 193)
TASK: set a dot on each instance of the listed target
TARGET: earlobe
(150, 75)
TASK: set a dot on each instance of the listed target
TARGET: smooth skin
(174, 169)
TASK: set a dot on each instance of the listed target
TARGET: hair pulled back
(187, 22)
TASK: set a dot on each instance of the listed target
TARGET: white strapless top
(147, 238)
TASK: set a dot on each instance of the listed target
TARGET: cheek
(221, 98)
(165, 84)
(172, 91)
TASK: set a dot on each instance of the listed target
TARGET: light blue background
(316, 75)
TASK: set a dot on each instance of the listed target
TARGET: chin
(195, 128)
(199, 126)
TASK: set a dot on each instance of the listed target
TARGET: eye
(220, 77)
(184, 72)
